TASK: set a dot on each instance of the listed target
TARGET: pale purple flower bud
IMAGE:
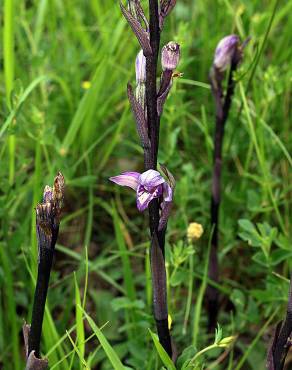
(170, 55)
(225, 51)
(141, 79)
(140, 68)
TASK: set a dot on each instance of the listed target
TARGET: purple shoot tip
(225, 52)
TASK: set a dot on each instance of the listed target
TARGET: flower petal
(129, 179)
(143, 198)
(150, 179)
(167, 193)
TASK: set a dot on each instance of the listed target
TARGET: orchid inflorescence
(228, 55)
(47, 227)
(148, 185)
(153, 191)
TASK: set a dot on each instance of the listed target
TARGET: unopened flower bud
(226, 342)
(225, 51)
(48, 194)
(140, 68)
(140, 94)
(194, 231)
(170, 55)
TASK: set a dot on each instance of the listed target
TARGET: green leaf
(79, 322)
(246, 225)
(161, 352)
(279, 256)
(249, 233)
(184, 359)
(238, 299)
(177, 278)
(218, 334)
(125, 303)
(108, 349)
(260, 258)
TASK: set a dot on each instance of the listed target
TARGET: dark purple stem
(222, 111)
(40, 296)
(150, 158)
(282, 342)
(46, 253)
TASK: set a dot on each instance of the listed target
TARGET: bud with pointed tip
(166, 7)
(225, 51)
(140, 68)
(48, 194)
(170, 55)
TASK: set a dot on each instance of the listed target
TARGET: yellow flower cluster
(194, 231)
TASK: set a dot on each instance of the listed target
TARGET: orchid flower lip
(150, 179)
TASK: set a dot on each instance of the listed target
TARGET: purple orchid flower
(148, 185)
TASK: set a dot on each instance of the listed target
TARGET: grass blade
(108, 349)
(162, 353)
(80, 337)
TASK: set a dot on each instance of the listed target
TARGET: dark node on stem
(47, 225)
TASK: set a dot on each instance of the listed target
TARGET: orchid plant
(153, 191)
(228, 55)
(47, 225)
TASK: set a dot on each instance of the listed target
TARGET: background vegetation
(64, 69)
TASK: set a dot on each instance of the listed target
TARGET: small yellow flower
(86, 85)
(194, 231)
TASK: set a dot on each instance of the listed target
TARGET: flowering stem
(150, 162)
(282, 342)
(222, 111)
(47, 227)
(44, 270)
(150, 157)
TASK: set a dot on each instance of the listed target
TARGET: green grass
(99, 304)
